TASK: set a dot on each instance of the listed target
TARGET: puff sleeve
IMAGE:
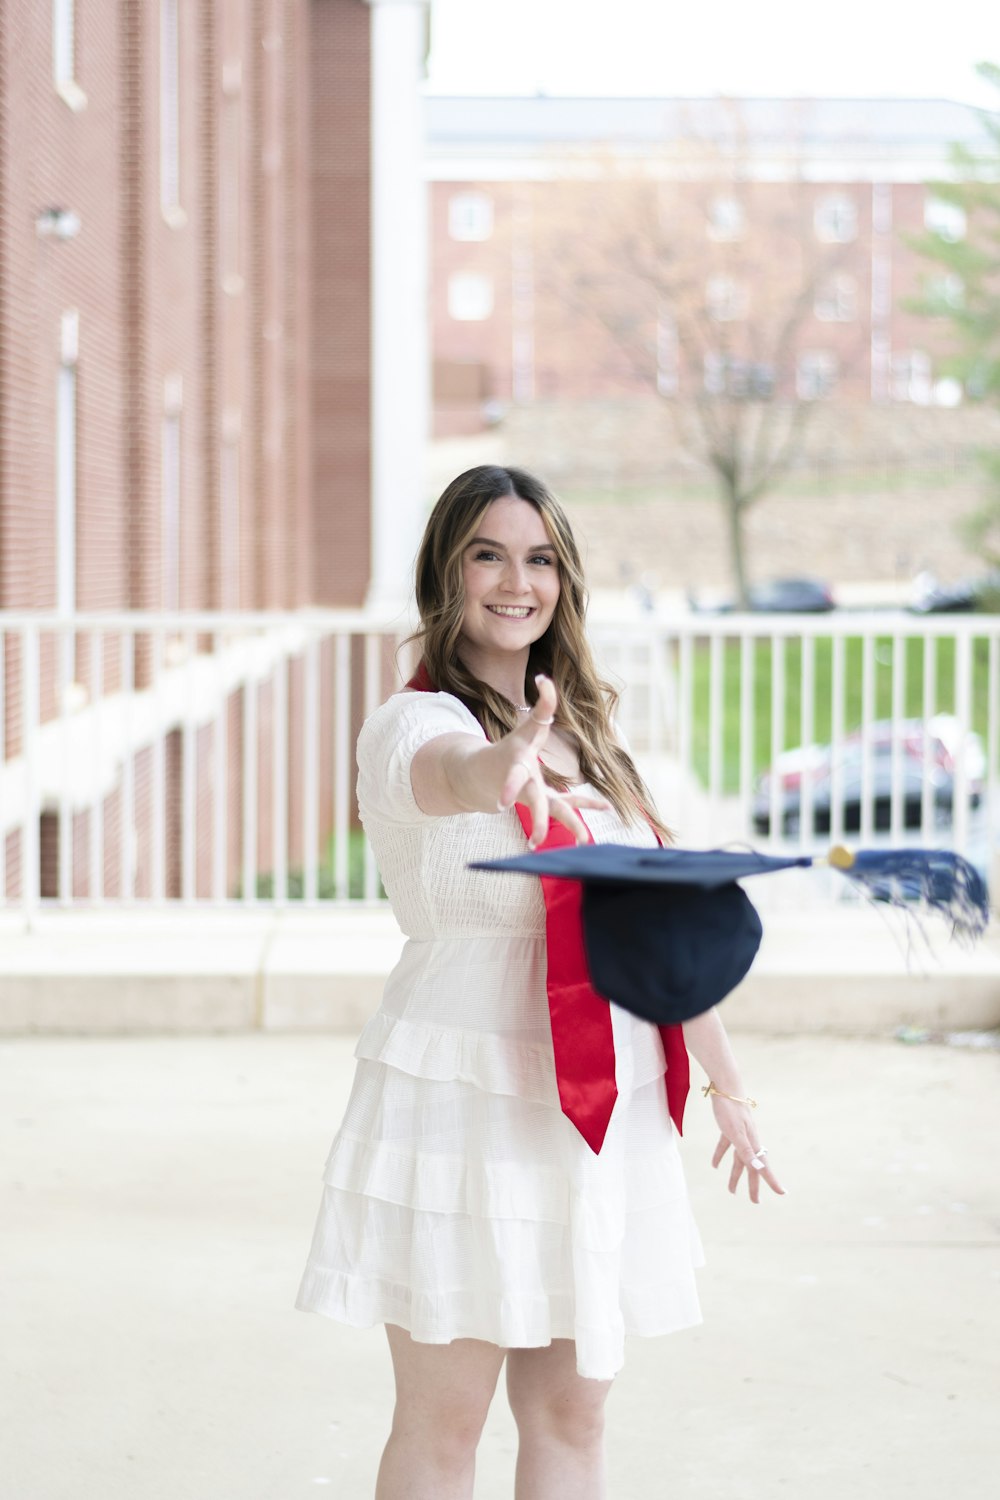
(388, 741)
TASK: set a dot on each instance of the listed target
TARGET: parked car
(798, 596)
(928, 596)
(945, 745)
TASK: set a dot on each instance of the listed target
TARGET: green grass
(325, 888)
(822, 698)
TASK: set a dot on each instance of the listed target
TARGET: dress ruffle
(437, 1218)
(494, 1064)
(498, 1064)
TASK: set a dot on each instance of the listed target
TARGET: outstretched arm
(457, 773)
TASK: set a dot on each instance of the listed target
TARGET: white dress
(458, 1200)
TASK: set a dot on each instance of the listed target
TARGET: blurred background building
(193, 345)
(184, 211)
(506, 237)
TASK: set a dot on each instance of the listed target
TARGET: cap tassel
(935, 878)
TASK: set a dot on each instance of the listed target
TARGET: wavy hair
(586, 703)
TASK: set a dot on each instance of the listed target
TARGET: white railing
(207, 759)
(185, 757)
(872, 726)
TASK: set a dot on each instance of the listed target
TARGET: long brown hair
(586, 702)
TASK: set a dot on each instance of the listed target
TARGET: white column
(400, 335)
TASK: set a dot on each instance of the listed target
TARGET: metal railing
(208, 759)
(185, 757)
(805, 729)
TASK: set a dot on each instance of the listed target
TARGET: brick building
(189, 205)
(738, 193)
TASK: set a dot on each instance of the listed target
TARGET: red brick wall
(250, 309)
(301, 264)
(54, 157)
(242, 328)
(340, 304)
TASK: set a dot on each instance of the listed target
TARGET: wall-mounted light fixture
(57, 224)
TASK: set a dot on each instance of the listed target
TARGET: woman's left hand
(739, 1131)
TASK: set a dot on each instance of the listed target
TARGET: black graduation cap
(669, 932)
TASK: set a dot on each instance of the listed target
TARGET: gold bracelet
(709, 1088)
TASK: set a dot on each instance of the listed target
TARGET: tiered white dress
(458, 1200)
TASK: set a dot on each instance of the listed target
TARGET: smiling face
(510, 574)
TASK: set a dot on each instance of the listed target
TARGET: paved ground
(157, 1197)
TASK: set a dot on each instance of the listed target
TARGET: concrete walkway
(157, 1198)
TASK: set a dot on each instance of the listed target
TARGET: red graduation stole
(582, 1038)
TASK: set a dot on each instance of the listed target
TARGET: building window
(837, 300)
(740, 379)
(170, 140)
(470, 216)
(726, 219)
(66, 464)
(523, 373)
(945, 293)
(726, 299)
(522, 299)
(836, 219)
(910, 377)
(64, 53)
(714, 374)
(816, 375)
(470, 296)
(170, 494)
(946, 220)
(947, 392)
(63, 39)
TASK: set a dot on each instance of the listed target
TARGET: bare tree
(705, 277)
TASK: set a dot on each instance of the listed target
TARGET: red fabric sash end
(582, 1038)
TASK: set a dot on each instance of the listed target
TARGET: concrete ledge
(844, 971)
(863, 1005)
(860, 971)
(126, 1004)
(196, 972)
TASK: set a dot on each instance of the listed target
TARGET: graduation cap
(669, 932)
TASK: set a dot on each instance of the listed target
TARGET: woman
(462, 1207)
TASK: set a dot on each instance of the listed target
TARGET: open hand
(521, 778)
(736, 1123)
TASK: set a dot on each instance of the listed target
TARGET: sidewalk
(157, 1197)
